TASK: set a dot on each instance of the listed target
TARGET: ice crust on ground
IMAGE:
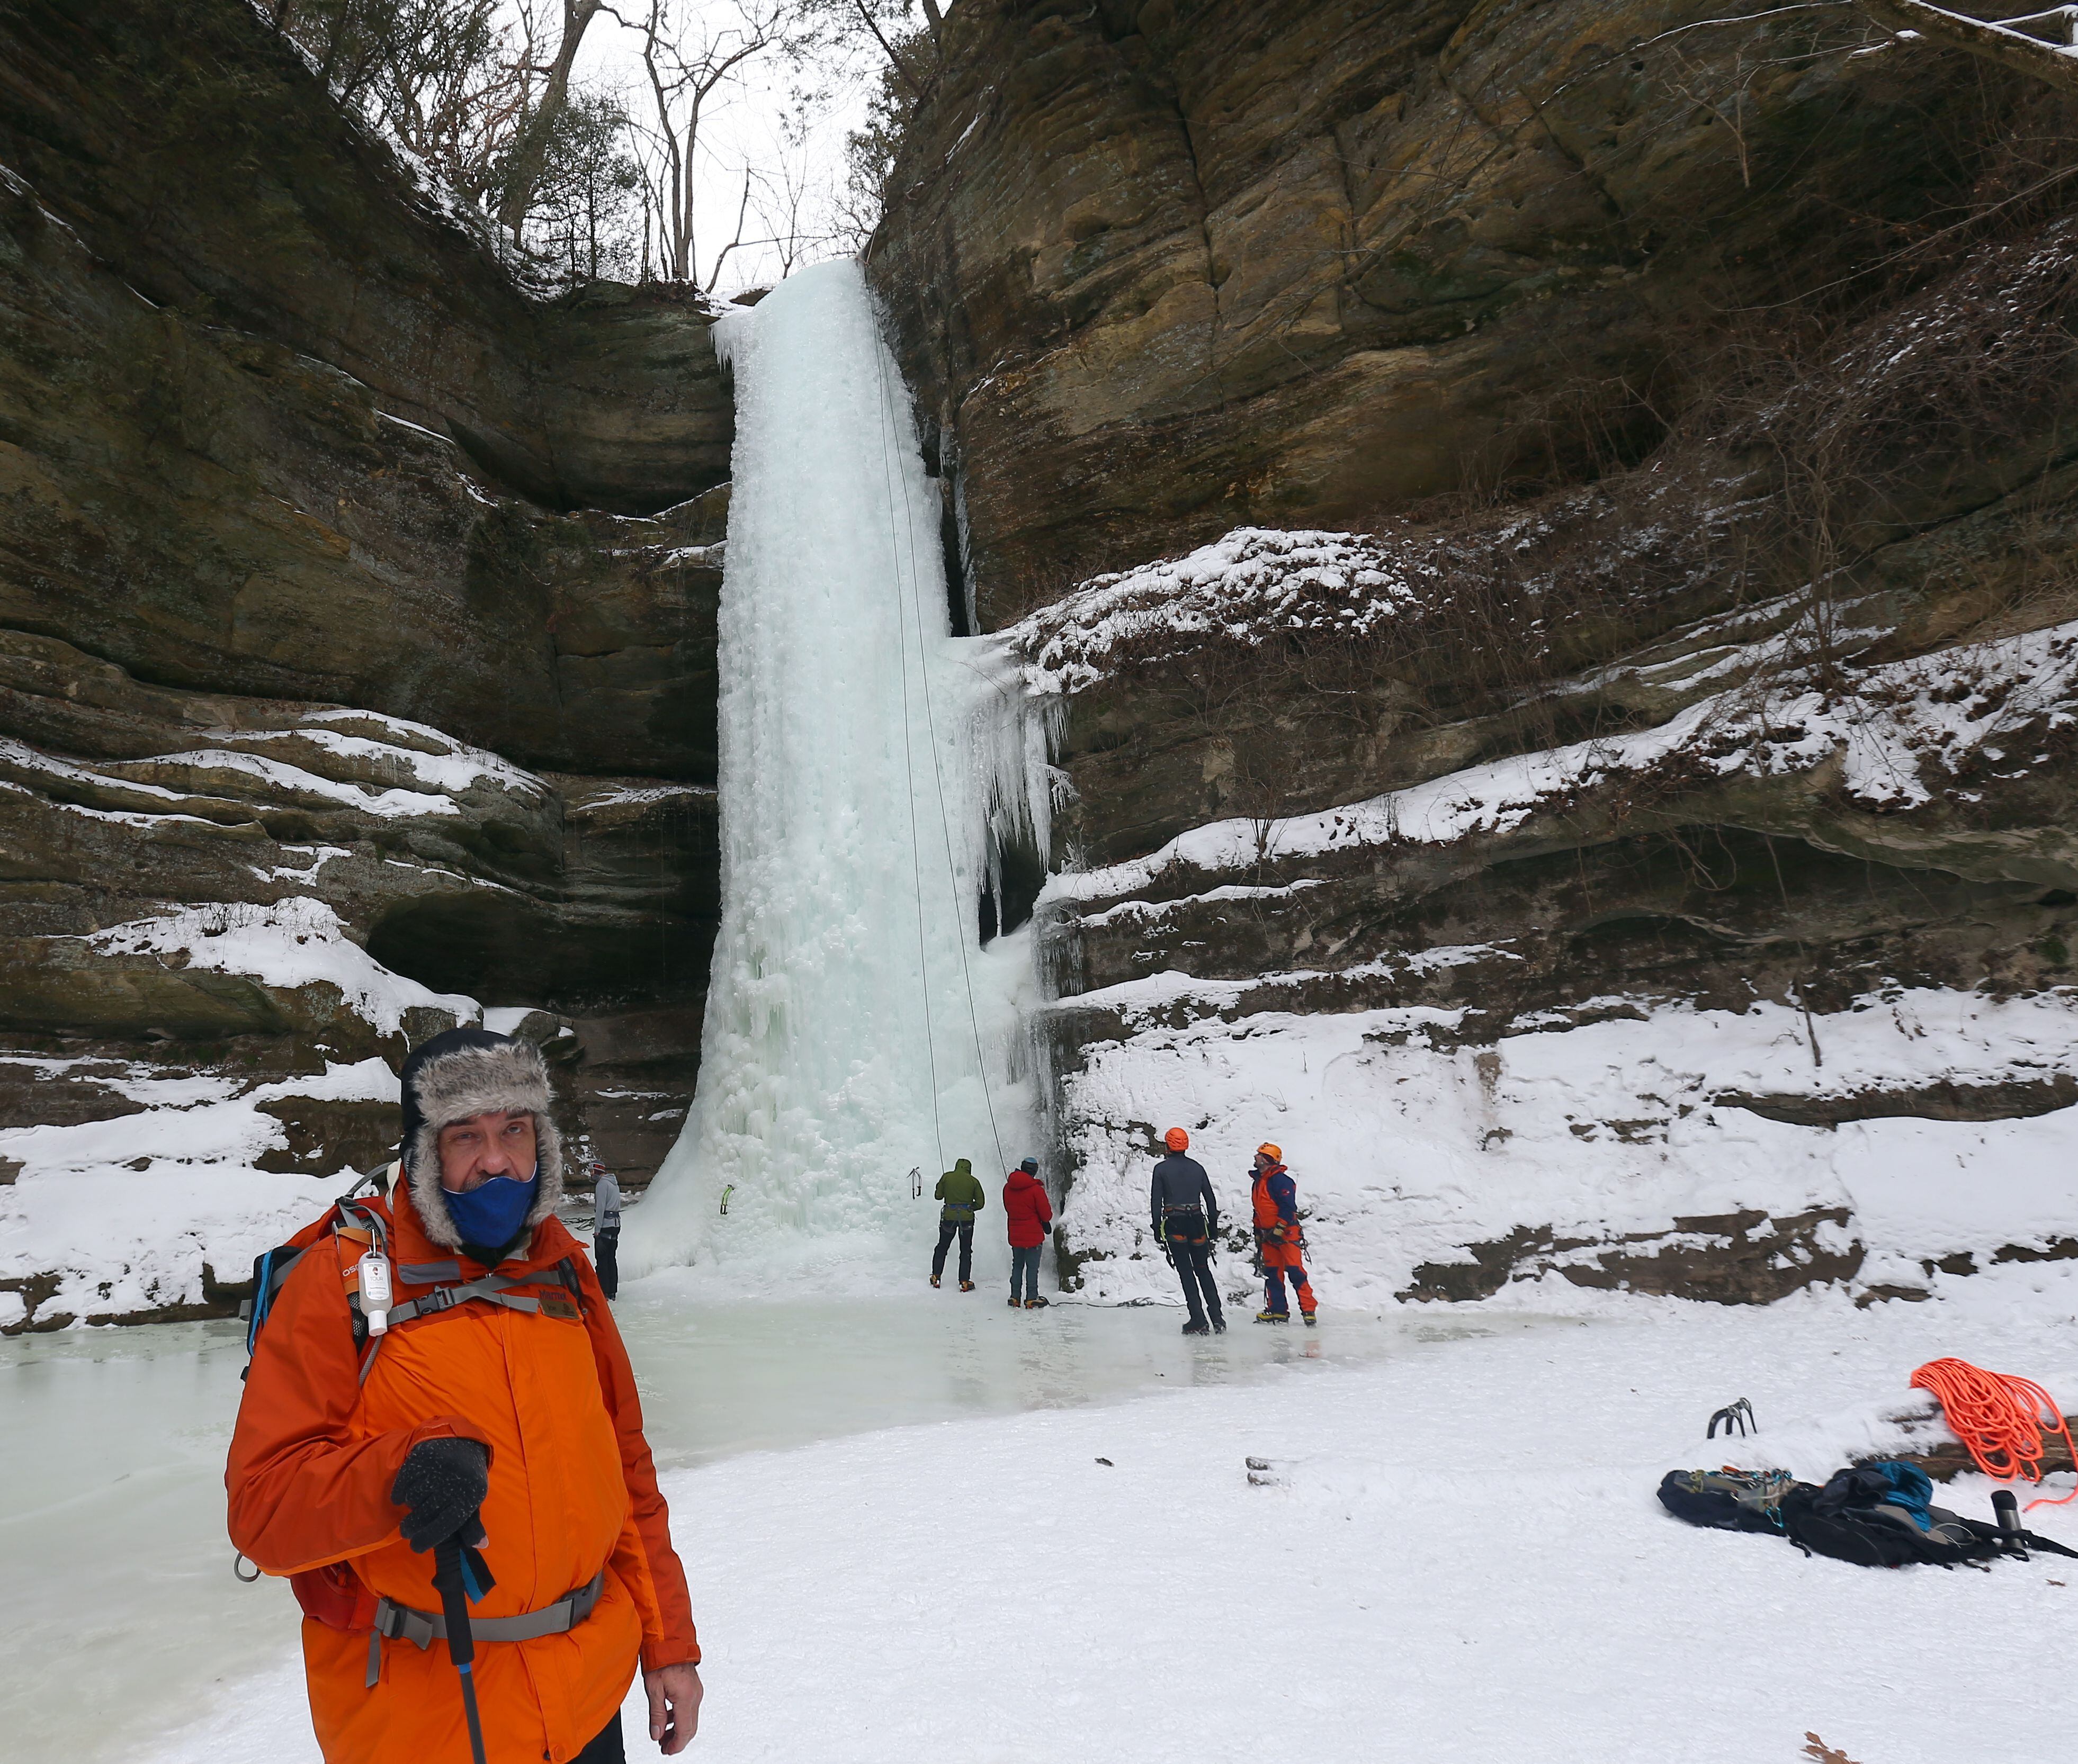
(1407, 1147)
(850, 1018)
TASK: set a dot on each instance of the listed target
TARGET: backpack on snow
(1728, 1499)
(1882, 1516)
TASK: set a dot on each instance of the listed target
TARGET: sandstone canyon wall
(1686, 402)
(357, 646)
(1542, 533)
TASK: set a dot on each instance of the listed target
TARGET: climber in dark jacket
(961, 1191)
(1186, 1218)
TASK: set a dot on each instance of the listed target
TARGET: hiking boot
(1307, 1319)
(1272, 1316)
(934, 1280)
(1197, 1326)
(965, 1285)
(1037, 1304)
(1016, 1303)
(1219, 1326)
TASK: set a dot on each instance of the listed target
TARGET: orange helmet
(1274, 1153)
(1176, 1139)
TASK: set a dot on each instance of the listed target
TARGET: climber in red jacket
(1030, 1216)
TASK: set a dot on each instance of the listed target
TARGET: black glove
(442, 1483)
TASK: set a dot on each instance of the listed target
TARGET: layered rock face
(1680, 688)
(356, 654)
(1166, 270)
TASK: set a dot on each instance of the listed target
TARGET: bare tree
(694, 54)
(886, 24)
(795, 213)
(2039, 44)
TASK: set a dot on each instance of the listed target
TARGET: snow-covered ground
(123, 1621)
(1460, 1558)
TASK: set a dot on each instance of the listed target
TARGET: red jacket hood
(1026, 1210)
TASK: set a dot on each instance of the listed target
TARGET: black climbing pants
(606, 1748)
(946, 1228)
(1194, 1268)
(606, 1257)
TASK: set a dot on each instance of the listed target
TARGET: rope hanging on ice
(900, 481)
(2000, 1418)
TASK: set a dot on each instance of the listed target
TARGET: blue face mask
(491, 1213)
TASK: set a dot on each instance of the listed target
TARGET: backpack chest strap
(446, 1298)
(566, 1304)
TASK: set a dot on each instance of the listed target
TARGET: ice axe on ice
(459, 1576)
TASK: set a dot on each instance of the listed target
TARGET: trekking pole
(449, 1582)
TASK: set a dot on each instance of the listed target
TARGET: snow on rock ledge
(293, 943)
(1619, 1149)
(1894, 738)
(148, 1189)
(1253, 582)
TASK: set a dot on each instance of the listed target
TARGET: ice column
(851, 845)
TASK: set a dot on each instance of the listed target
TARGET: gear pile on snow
(1878, 1516)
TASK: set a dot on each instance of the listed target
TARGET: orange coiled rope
(2000, 1418)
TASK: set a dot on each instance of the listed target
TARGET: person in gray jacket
(1186, 1219)
(606, 1229)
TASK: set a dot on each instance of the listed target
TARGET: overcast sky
(747, 131)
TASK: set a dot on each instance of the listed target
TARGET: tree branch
(1989, 41)
(873, 25)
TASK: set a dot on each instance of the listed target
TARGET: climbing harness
(899, 481)
(2000, 1418)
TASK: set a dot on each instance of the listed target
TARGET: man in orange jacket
(499, 1395)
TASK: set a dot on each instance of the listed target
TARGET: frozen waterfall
(851, 1016)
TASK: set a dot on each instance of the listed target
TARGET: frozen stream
(123, 1620)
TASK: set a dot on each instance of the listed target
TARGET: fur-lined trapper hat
(464, 1073)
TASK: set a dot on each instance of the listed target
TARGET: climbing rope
(899, 479)
(2000, 1418)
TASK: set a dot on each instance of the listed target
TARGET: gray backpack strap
(446, 1298)
(422, 1629)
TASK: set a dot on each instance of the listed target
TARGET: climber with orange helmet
(1186, 1219)
(1279, 1239)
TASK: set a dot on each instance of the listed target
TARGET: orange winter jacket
(572, 1491)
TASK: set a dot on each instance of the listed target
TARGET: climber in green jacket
(963, 1197)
